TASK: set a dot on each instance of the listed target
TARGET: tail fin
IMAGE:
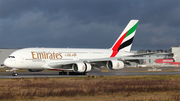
(124, 42)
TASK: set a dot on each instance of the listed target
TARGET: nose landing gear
(14, 72)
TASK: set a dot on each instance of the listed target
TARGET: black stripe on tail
(125, 44)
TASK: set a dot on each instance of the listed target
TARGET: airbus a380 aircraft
(73, 60)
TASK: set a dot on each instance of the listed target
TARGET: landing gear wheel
(62, 73)
(71, 73)
(84, 73)
(77, 73)
(14, 74)
(65, 73)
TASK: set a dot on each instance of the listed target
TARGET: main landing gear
(77, 73)
(62, 73)
(72, 73)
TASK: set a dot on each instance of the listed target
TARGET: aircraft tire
(74, 73)
(84, 73)
(65, 73)
(14, 74)
(62, 73)
(71, 73)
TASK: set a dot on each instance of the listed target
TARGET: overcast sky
(88, 23)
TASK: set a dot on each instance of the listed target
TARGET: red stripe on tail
(117, 45)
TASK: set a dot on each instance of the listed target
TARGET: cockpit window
(11, 56)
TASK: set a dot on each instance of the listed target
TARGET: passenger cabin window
(11, 57)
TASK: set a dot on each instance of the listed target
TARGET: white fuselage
(36, 58)
(75, 60)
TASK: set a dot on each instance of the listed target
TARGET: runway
(123, 72)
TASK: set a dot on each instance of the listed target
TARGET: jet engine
(115, 64)
(81, 67)
(35, 70)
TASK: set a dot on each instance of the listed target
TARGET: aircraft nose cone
(6, 62)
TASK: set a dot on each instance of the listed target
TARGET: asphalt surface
(123, 72)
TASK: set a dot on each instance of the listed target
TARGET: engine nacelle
(35, 70)
(81, 67)
(115, 64)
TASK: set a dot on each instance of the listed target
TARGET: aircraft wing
(142, 54)
(61, 65)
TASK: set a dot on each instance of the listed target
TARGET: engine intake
(115, 64)
(81, 67)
